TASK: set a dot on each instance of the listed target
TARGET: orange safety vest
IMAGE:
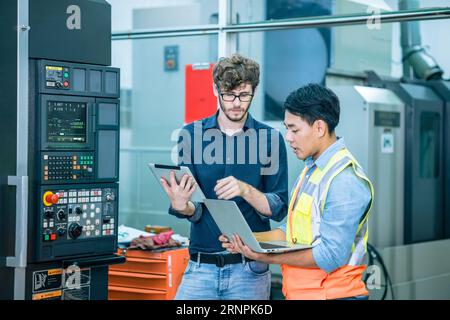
(303, 228)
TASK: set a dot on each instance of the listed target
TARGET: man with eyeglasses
(259, 188)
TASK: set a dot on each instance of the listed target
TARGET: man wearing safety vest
(329, 206)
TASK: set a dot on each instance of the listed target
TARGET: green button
(47, 237)
(66, 74)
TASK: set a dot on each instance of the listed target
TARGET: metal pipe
(417, 63)
(166, 32)
(410, 35)
(345, 20)
(325, 21)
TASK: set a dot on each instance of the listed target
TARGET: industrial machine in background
(424, 169)
(399, 128)
(373, 126)
(442, 88)
(60, 161)
(399, 132)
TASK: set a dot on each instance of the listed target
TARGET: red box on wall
(200, 101)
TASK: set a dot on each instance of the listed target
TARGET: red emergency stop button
(66, 84)
(50, 198)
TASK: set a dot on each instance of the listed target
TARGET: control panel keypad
(67, 167)
(78, 214)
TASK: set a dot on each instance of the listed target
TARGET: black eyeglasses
(230, 97)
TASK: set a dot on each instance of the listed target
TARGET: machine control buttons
(61, 215)
(110, 197)
(75, 230)
(61, 231)
(49, 237)
(64, 167)
(49, 214)
(80, 214)
(50, 198)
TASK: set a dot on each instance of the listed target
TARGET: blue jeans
(240, 281)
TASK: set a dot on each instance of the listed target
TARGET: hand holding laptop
(236, 245)
(231, 222)
(227, 244)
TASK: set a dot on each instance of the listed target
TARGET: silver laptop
(230, 221)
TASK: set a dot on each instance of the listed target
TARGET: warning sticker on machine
(387, 143)
(50, 295)
(46, 280)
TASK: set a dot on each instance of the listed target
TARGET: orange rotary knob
(50, 198)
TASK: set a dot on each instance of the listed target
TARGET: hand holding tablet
(187, 185)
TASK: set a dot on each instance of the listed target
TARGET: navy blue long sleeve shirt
(256, 156)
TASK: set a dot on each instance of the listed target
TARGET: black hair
(315, 102)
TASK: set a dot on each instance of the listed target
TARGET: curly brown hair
(230, 73)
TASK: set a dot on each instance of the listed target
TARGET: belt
(220, 260)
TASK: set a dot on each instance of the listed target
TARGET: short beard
(233, 120)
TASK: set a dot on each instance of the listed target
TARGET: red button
(52, 198)
(53, 237)
(66, 84)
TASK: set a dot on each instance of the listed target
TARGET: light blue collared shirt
(346, 203)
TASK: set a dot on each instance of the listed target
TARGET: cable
(374, 255)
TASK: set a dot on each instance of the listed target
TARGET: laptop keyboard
(270, 246)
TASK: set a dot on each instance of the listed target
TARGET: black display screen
(66, 122)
